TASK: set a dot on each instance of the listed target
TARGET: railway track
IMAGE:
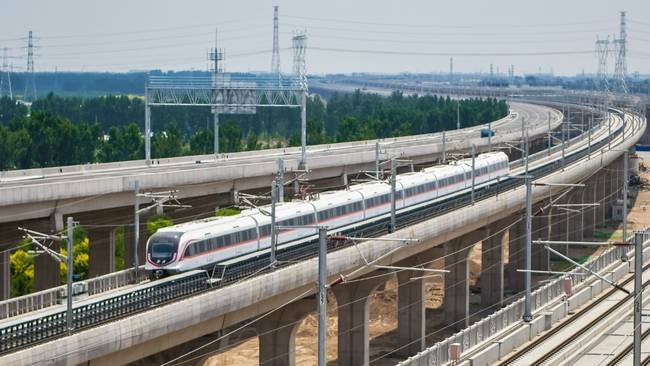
(32, 332)
(628, 349)
(549, 354)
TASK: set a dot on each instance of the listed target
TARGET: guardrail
(54, 324)
(50, 297)
(510, 315)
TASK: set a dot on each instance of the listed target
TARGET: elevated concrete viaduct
(154, 331)
(101, 198)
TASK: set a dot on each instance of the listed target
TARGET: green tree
(22, 272)
(202, 142)
(231, 136)
(167, 143)
(251, 141)
(156, 222)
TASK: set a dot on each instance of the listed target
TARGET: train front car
(162, 253)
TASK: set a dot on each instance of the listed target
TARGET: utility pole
(444, 147)
(550, 134)
(527, 317)
(274, 233)
(35, 238)
(280, 180)
(591, 126)
(299, 45)
(377, 160)
(638, 295)
(473, 170)
(322, 295)
(490, 136)
(626, 177)
(70, 269)
(147, 128)
(451, 70)
(215, 56)
(563, 142)
(393, 192)
(458, 114)
(523, 137)
(136, 227)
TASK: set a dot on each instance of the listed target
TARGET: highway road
(535, 115)
(38, 193)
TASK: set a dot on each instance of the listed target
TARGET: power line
(448, 54)
(438, 34)
(411, 25)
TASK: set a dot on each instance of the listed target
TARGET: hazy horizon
(343, 37)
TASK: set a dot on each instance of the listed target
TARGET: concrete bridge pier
(541, 231)
(353, 311)
(601, 179)
(589, 213)
(575, 216)
(277, 333)
(129, 244)
(516, 247)
(46, 269)
(9, 238)
(102, 250)
(456, 298)
(411, 307)
(491, 280)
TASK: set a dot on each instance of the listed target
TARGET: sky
(376, 36)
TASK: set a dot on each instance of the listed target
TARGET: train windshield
(162, 246)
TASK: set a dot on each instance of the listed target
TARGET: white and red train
(204, 243)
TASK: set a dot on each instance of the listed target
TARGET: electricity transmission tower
(299, 47)
(602, 51)
(5, 78)
(30, 82)
(620, 69)
(275, 58)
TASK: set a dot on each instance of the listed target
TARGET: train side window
(189, 251)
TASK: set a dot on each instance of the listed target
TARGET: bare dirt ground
(383, 305)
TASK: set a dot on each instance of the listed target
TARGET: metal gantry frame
(227, 93)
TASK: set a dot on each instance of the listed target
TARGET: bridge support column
(610, 191)
(129, 245)
(516, 247)
(102, 251)
(589, 213)
(278, 333)
(411, 308)
(46, 269)
(10, 237)
(5, 276)
(575, 216)
(600, 198)
(541, 231)
(491, 279)
(456, 299)
(353, 302)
